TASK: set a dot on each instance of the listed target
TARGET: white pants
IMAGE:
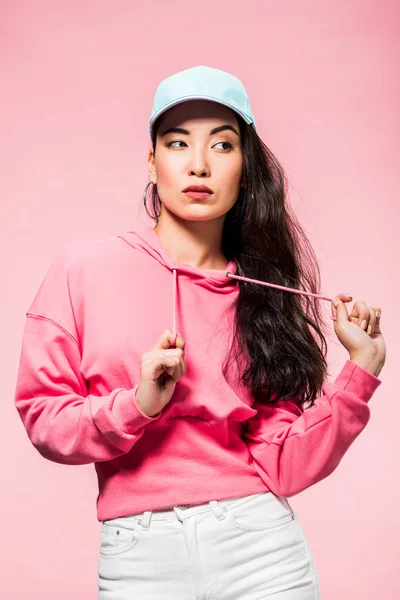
(246, 548)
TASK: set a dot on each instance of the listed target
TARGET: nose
(198, 164)
(199, 173)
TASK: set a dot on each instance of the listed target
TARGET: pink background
(77, 83)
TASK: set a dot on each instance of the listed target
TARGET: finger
(168, 364)
(179, 341)
(354, 316)
(372, 320)
(183, 363)
(165, 341)
(177, 372)
(361, 313)
(160, 363)
(339, 308)
(159, 354)
(345, 297)
(174, 352)
(378, 313)
(176, 355)
(180, 369)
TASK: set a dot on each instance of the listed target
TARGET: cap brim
(244, 116)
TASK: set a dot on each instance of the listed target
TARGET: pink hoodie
(102, 305)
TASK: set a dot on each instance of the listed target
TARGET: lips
(198, 188)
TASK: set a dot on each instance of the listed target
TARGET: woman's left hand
(359, 332)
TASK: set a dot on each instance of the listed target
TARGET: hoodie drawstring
(172, 343)
(227, 275)
(281, 287)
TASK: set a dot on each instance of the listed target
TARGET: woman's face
(197, 156)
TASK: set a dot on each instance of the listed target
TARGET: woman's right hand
(159, 364)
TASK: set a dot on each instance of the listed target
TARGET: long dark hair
(282, 334)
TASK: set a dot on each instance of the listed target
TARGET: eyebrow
(187, 132)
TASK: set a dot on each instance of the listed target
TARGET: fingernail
(363, 324)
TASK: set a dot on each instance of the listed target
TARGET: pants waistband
(180, 511)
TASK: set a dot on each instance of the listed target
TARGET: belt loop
(217, 509)
(145, 520)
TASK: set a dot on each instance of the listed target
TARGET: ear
(151, 167)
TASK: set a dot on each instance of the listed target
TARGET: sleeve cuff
(354, 378)
(127, 413)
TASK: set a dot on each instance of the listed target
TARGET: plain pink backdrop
(77, 83)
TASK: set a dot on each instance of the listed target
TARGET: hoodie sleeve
(293, 448)
(65, 423)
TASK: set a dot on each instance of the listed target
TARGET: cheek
(233, 175)
(167, 170)
(168, 178)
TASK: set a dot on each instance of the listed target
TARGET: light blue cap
(202, 83)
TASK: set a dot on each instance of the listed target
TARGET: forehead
(197, 112)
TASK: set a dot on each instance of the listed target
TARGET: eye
(229, 144)
(175, 142)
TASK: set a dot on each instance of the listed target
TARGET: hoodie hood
(145, 239)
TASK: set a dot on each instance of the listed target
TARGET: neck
(197, 243)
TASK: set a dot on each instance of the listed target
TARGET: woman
(198, 437)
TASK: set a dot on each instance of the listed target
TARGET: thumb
(339, 310)
(164, 341)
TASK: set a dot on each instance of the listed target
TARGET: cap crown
(202, 82)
